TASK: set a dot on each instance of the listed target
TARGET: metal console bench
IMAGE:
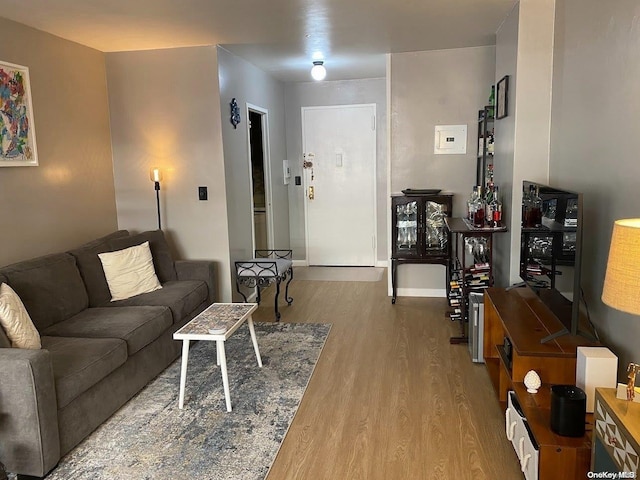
(266, 267)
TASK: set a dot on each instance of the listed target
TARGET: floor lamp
(156, 177)
(622, 281)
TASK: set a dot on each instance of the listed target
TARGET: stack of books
(477, 276)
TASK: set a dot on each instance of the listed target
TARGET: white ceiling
(282, 37)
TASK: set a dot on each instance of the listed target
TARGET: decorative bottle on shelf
(488, 202)
(490, 144)
(478, 208)
(496, 209)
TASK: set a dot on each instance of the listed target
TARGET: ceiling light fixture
(318, 72)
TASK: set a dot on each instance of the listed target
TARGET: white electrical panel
(450, 140)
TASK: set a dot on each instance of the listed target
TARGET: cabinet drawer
(621, 449)
(518, 433)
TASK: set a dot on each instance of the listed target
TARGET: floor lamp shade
(622, 280)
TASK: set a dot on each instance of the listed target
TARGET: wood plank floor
(390, 398)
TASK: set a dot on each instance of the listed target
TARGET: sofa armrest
(199, 270)
(29, 440)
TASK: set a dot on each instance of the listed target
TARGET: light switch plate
(450, 140)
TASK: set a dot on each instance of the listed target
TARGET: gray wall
(248, 84)
(443, 87)
(69, 198)
(595, 141)
(347, 92)
(165, 112)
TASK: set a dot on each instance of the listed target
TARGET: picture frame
(17, 128)
(502, 98)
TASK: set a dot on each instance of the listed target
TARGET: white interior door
(340, 144)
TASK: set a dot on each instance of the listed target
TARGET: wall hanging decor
(235, 113)
(502, 102)
(17, 130)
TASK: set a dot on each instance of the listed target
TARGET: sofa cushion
(182, 297)
(4, 341)
(162, 259)
(91, 268)
(80, 363)
(50, 287)
(15, 320)
(129, 271)
(137, 326)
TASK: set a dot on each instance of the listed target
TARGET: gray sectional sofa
(96, 354)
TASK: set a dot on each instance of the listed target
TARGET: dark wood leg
(394, 275)
(276, 300)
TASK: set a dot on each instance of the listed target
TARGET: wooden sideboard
(520, 317)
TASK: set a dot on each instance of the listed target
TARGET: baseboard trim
(420, 292)
(300, 263)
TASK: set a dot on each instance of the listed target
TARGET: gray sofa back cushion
(91, 268)
(50, 287)
(162, 259)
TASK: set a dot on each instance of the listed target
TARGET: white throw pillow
(129, 272)
(15, 320)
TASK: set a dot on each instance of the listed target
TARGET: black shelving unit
(485, 157)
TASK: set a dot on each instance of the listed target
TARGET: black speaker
(568, 410)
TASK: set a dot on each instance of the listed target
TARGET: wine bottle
(496, 209)
(478, 208)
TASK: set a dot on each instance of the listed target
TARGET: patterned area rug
(150, 438)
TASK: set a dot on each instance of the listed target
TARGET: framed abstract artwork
(17, 130)
(503, 98)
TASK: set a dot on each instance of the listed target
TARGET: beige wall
(165, 112)
(443, 87)
(69, 198)
(248, 84)
(524, 51)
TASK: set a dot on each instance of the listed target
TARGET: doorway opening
(260, 176)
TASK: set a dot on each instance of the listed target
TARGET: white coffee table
(223, 319)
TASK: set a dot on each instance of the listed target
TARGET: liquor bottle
(489, 204)
(496, 209)
(478, 209)
(489, 174)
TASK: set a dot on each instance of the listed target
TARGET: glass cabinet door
(435, 230)
(406, 238)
